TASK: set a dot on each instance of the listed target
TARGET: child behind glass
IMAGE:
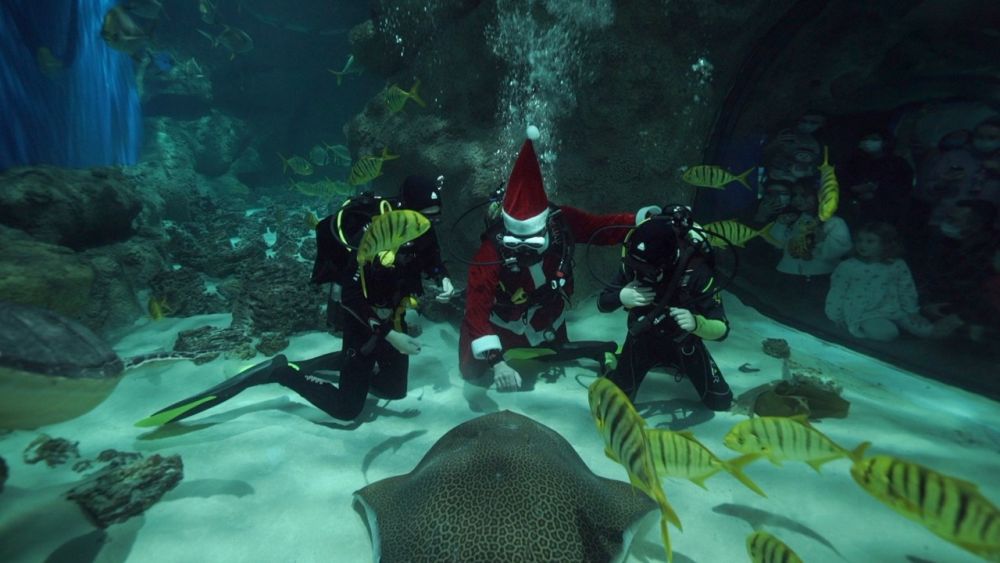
(872, 294)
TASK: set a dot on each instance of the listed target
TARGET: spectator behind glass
(945, 179)
(959, 262)
(875, 183)
(810, 249)
(777, 200)
(796, 150)
(872, 294)
(985, 148)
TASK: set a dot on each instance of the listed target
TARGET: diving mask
(536, 243)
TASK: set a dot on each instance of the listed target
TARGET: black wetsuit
(335, 262)
(664, 343)
(367, 362)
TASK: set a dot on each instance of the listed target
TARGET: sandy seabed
(268, 477)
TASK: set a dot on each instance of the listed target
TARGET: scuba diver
(667, 283)
(521, 278)
(338, 235)
(385, 283)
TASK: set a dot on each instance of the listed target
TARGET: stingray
(52, 368)
(500, 487)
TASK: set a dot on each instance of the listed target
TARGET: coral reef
(234, 341)
(53, 451)
(126, 487)
(776, 347)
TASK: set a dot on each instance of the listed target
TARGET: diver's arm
(354, 302)
(610, 299)
(484, 277)
(433, 265)
(709, 314)
(583, 226)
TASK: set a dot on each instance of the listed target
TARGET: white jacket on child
(826, 255)
(861, 291)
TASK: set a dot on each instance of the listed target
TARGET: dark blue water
(76, 108)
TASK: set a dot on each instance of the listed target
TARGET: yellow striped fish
(311, 220)
(298, 165)
(386, 234)
(625, 442)
(733, 231)
(367, 168)
(829, 191)
(680, 454)
(395, 97)
(715, 177)
(952, 508)
(765, 548)
(787, 439)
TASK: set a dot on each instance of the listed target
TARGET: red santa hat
(525, 206)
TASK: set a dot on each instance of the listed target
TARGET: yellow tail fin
(859, 452)
(742, 178)
(735, 468)
(416, 97)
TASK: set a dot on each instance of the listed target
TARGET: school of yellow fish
(949, 507)
(953, 509)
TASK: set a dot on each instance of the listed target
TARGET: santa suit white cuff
(645, 212)
(484, 344)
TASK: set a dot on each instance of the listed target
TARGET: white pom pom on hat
(533, 133)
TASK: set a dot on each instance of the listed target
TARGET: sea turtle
(53, 368)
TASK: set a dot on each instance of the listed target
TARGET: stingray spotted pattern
(500, 487)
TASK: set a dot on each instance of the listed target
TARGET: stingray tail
(264, 372)
(136, 361)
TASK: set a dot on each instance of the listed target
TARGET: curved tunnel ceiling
(853, 57)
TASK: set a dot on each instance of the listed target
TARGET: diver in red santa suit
(521, 278)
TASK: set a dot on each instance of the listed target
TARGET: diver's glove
(684, 319)
(635, 295)
(447, 290)
(402, 342)
(506, 377)
(413, 325)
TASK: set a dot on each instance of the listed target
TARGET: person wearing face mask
(878, 183)
(521, 278)
(670, 292)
